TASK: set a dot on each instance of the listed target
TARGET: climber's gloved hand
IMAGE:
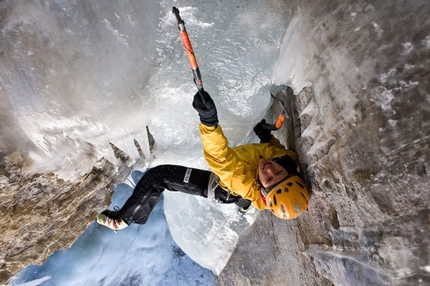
(207, 111)
(263, 133)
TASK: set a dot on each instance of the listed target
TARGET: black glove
(263, 133)
(207, 111)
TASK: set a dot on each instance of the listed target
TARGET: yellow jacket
(237, 167)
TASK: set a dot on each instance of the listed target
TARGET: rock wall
(42, 213)
(358, 230)
(362, 135)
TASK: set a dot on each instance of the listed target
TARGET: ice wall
(68, 67)
(79, 78)
(360, 74)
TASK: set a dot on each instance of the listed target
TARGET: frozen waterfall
(78, 77)
(98, 74)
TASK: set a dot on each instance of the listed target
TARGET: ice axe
(279, 121)
(281, 117)
(190, 54)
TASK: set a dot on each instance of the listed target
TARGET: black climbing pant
(176, 179)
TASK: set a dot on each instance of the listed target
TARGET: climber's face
(271, 173)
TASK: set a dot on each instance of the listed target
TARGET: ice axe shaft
(190, 54)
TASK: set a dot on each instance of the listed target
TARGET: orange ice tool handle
(280, 121)
(277, 125)
(190, 54)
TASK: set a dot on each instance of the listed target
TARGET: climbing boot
(112, 220)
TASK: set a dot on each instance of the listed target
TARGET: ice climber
(264, 174)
